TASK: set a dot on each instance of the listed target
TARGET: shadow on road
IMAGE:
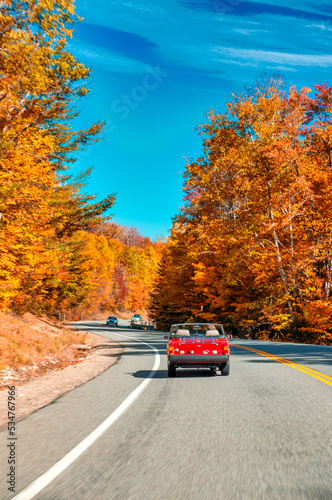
(198, 373)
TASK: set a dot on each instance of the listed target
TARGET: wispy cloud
(323, 27)
(259, 56)
(208, 49)
(247, 31)
(122, 43)
(106, 60)
(189, 36)
(242, 8)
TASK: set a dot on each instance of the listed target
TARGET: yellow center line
(263, 353)
(309, 371)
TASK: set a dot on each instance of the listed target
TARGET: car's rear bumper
(204, 359)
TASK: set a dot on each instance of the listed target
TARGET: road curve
(264, 432)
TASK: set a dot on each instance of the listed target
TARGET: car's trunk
(200, 344)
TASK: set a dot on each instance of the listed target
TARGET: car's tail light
(226, 349)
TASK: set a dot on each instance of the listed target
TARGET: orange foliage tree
(40, 210)
(132, 275)
(255, 228)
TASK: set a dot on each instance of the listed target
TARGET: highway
(263, 432)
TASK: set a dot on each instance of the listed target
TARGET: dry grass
(31, 346)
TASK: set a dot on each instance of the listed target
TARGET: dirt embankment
(43, 362)
(32, 346)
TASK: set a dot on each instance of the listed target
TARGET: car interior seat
(212, 333)
(182, 333)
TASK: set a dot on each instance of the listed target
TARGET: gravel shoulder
(41, 391)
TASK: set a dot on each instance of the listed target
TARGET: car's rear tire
(171, 370)
(225, 368)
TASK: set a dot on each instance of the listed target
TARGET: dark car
(112, 321)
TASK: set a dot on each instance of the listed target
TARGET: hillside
(32, 346)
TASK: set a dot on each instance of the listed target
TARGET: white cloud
(282, 68)
(205, 41)
(107, 60)
(323, 27)
(262, 56)
(244, 31)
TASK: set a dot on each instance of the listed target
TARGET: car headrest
(182, 333)
(212, 333)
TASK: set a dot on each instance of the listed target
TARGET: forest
(59, 252)
(251, 245)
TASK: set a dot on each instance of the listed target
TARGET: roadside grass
(32, 346)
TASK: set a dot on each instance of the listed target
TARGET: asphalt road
(264, 432)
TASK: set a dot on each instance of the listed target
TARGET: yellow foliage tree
(256, 219)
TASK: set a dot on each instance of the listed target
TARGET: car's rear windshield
(197, 330)
(112, 317)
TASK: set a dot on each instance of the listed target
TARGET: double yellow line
(313, 373)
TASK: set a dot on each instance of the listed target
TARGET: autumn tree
(136, 261)
(255, 217)
(41, 207)
(175, 298)
(41, 80)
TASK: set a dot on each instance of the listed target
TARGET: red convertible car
(197, 345)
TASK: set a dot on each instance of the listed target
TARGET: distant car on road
(198, 345)
(112, 321)
(135, 320)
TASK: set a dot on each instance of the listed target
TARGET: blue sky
(159, 65)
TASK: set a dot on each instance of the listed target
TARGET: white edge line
(40, 483)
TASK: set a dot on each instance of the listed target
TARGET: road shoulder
(41, 391)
